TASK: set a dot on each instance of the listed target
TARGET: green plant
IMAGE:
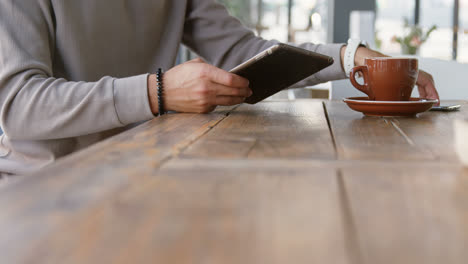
(378, 40)
(414, 38)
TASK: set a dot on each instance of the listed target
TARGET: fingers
(198, 87)
(224, 95)
(220, 76)
(212, 94)
(229, 100)
(422, 91)
(431, 93)
(426, 86)
(196, 60)
(223, 77)
(222, 90)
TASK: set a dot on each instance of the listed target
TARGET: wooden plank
(204, 212)
(433, 131)
(113, 202)
(33, 206)
(288, 130)
(358, 137)
(408, 214)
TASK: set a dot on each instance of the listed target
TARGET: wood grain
(408, 214)
(206, 213)
(359, 137)
(260, 185)
(433, 131)
(33, 206)
(269, 130)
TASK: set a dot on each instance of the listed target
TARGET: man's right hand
(198, 87)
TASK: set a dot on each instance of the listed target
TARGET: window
(300, 21)
(293, 21)
(390, 21)
(463, 32)
(439, 13)
(284, 20)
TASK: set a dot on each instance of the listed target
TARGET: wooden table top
(277, 182)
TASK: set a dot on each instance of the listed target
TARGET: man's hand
(425, 82)
(426, 86)
(198, 87)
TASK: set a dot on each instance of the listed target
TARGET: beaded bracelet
(159, 78)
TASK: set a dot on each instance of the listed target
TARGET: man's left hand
(426, 86)
(425, 82)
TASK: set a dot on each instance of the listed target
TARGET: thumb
(196, 60)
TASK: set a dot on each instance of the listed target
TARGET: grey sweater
(74, 72)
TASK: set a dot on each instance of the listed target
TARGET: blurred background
(332, 20)
(434, 30)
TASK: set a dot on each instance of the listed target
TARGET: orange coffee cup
(386, 78)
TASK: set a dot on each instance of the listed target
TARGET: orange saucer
(389, 108)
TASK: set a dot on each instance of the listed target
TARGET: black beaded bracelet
(159, 77)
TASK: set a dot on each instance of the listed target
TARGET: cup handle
(363, 88)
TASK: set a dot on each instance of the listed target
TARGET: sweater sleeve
(37, 106)
(223, 41)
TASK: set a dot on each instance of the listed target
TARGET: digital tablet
(279, 67)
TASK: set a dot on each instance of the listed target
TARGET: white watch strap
(350, 53)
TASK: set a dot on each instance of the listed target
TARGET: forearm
(37, 107)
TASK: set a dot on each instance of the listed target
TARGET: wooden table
(277, 182)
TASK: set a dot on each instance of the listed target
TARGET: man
(75, 72)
